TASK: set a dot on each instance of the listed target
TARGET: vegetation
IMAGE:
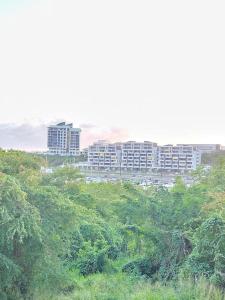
(58, 160)
(61, 238)
(213, 158)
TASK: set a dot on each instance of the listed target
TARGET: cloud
(33, 138)
(90, 135)
(87, 126)
(23, 137)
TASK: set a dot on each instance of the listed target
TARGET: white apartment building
(124, 156)
(178, 158)
(63, 139)
(139, 156)
(133, 156)
(102, 155)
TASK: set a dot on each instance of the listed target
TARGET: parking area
(142, 179)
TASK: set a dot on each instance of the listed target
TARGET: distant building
(146, 156)
(84, 152)
(139, 156)
(124, 156)
(179, 157)
(63, 139)
(204, 148)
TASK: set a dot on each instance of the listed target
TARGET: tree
(19, 231)
(207, 258)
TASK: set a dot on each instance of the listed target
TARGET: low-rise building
(178, 158)
(146, 156)
(102, 155)
(139, 156)
(124, 156)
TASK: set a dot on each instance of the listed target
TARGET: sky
(120, 70)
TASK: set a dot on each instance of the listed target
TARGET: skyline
(126, 70)
(34, 138)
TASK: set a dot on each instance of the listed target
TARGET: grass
(122, 287)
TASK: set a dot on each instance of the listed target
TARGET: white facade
(144, 156)
(63, 140)
(139, 156)
(102, 155)
(180, 157)
(126, 156)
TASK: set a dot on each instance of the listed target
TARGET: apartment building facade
(125, 156)
(102, 155)
(146, 156)
(138, 156)
(178, 158)
(63, 139)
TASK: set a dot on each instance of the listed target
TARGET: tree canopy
(56, 231)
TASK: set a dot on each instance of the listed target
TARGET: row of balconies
(167, 161)
(175, 160)
(136, 166)
(141, 153)
(141, 166)
(136, 154)
(169, 165)
(136, 160)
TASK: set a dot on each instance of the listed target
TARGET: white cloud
(24, 137)
(32, 138)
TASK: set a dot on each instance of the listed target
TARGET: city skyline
(34, 138)
(124, 70)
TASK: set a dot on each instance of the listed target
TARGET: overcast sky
(140, 70)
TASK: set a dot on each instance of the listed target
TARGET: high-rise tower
(63, 139)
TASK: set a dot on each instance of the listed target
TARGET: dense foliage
(213, 158)
(61, 238)
(57, 160)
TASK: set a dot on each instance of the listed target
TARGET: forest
(61, 238)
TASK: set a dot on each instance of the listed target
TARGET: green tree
(20, 230)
